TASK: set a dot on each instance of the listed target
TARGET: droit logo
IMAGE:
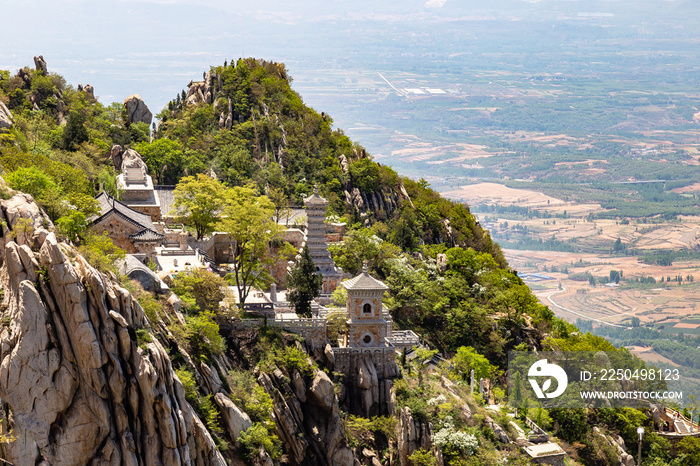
(544, 369)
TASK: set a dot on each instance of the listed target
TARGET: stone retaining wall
(346, 360)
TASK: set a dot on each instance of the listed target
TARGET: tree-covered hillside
(244, 125)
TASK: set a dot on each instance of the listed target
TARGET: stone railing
(177, 252)
(403, 338)
(247, 323)
(536, 429)
(313, 329)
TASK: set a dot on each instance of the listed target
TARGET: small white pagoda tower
(367, 327)
(316, 241)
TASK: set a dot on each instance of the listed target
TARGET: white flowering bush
(448, 439)
(437, 401)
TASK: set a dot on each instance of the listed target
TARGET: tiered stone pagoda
(367, 326)
(316, 241)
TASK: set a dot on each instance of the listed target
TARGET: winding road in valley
(549, 295)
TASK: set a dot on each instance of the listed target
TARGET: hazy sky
(155, 47)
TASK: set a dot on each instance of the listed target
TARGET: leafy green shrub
(72, 225)
(23, 226)
(209, 414)
(572, 423)
(189, 384)
(143, 337)
(251, 397)
(258, 436)
(365, 175)
(599, 451)
(361, 431)
(34, 181)
(150, 304)
(199, 289)
(275, 353)
(203, 336)
(290, 358)
(101, 252)
(422, 458)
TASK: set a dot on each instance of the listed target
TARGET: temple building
(318, 247)
(132, 231)
(367, 326)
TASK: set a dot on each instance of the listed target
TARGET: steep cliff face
(308, 418)
(78, 387)
(75, 385)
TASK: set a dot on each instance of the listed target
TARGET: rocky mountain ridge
(78, 387)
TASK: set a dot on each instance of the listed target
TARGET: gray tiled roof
(147, 235)
(166, 196)
(364, 282)
(110, 205)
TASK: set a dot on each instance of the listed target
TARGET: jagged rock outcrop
(368, 385)
(116, 154)
(132, 159)
(23, 74)
(343, 163)
(498, 431)
(413, 435)
(236, 421)
(308, 425)
(229, 119)
(201, 91)
(79, 387)
(369, 391)
(40, 64)
(88, 89)
(26, 224)
(137, 111)
(618, 444)
(6, 118)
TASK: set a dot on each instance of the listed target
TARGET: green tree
(247, 220)
(75, 132)
(101, 252)
(34, 181)
(304, 283)
(614, 276)
(203, 336)
(107, 181)
(198, 202)
(72, 225)
(362, 245)
(689, 448)
(279, 199)
(365, 174)
(164, 159)
(467, 359)
(572, 423)
(199, 288)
